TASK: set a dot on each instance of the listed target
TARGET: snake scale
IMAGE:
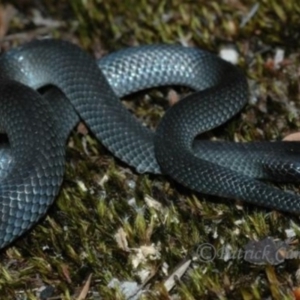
(37, 127)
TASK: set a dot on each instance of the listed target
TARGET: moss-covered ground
(110, 224)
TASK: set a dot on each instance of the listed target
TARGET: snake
(37, 125)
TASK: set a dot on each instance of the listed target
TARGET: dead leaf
(173, 97)
(85, 289)
(7, 12)
(65, 270)
(292, 137)
(169, 283)
(265, 251)
(150, 202)
(121, 239)
(296, 293)
(81, 128)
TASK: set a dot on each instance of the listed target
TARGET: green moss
(101, 195)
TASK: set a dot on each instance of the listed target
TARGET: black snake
(32, 166)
